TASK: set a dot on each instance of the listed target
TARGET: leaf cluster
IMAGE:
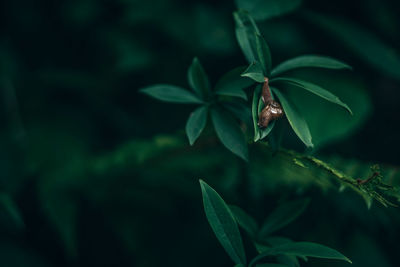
(224, 221)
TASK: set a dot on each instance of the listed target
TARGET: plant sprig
(224, 221)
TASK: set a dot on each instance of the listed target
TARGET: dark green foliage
(295, 118)
(282, 216)
(232, 84)
(229, 132)
(108, 120)
(223, 222)
(196, 123)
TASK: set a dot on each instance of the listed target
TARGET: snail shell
(271, 111)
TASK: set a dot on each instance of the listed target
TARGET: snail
(272, 109)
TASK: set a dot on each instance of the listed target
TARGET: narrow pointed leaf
(282, 216)
(288, 260)
(196, 123)
(263, 54)
(254, 112)
(262, 10)
(299, 249)
(277, 240)
(315, 89)
(229, 132)
(245, 220)
(257, 106)
(309, 61)
(254, 72)
(264, 132)
(223, 223)
(198, 79)
(171, 93)
(295, 119)
(232, 83)
(245, 29)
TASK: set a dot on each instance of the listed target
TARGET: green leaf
(257, 106)
(245, 221)
(263, 54)
(262, 10)
(254, 112)
(254, 72)
(232, 83)
(309, 61)
(223, 223)
(282, 216)
(362, 42)
(196, 123)
(277, 240)
(307, 249)
(289, 260)
(198, 79)
(323, 118)
(265, 131)
(171, 93)
(229, 132)
(245, 29)
(313, 88)
(295, 119)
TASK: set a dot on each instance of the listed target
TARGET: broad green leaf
(282, 216)
(257, 106)
(323, 118)
(245, 29)
(254, 72)
(266, 9)
(171, 93)
(229, 132)
(245, 221)
(196, 123)
(198, 79)
(223, 223)
(362, 42)
(295, 119)
(313, 88)
(307, 249)
(263, 54)
(308, 61)
(232, 83)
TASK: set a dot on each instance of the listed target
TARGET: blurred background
(93, 173)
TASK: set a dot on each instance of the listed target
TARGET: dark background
(86, 157)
